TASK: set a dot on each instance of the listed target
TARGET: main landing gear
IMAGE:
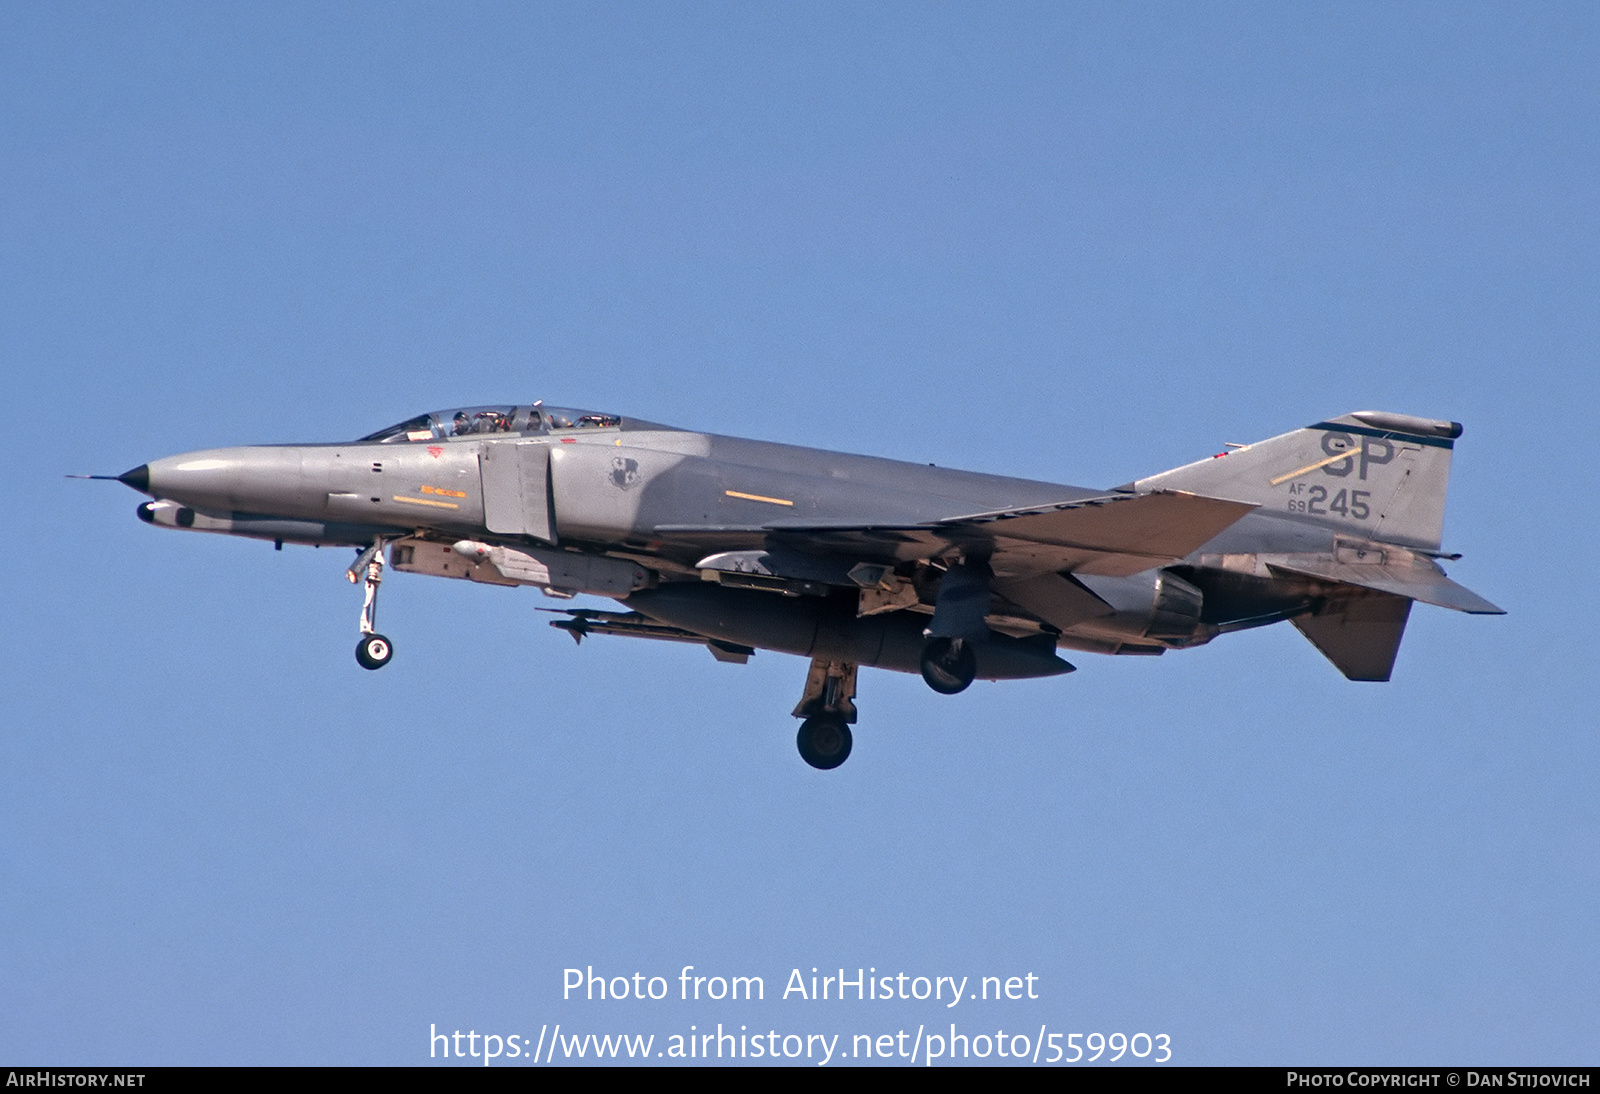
(828, 704)
(948, 664)
(828, 707)
(374, 650)
(824, 741)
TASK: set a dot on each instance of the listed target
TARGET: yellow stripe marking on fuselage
(427, 501)
(758, 497)
(1320, 463)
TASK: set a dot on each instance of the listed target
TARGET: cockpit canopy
(471, 420)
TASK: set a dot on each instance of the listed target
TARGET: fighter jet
(740, 545)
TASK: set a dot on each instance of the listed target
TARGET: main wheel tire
(948, 665)
(374, 651)
(824, 741)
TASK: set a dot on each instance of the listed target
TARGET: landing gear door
(516, 489)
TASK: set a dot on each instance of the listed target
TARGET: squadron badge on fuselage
(624, 472)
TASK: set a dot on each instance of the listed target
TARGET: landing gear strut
(374, 650)
(828, 707)
(948, 664)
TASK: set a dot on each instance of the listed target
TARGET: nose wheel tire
(374, 651)
(824, 742)
(948, 665)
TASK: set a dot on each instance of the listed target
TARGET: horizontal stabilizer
(1360, 635)
(1421, 580)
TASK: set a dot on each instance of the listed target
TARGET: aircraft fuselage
(855, 560)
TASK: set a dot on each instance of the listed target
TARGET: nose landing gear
(374, 650)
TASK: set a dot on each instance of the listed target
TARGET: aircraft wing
(1116, 534)
(1111, 534)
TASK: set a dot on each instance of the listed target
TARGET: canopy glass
(472, 420)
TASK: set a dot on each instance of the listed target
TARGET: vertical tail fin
(1381, 476)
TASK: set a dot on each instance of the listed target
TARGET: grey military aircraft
(741, 545)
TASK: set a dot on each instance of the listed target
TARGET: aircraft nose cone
(138, 478)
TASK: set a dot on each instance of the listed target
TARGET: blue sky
(1075, 243)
